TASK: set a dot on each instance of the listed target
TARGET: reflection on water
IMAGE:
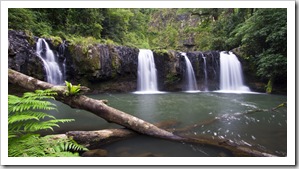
(239, 117)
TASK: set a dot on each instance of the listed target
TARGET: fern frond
(60, 121)
(20, 118)
(27, 104)
(25, 118)
(39, 115)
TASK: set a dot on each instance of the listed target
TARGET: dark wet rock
(95, 153)
(146, 154)
(22, 56)
(222, 154)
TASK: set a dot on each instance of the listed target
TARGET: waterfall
(231, 79)
(53, 72)
(147, 72)
(191, 80)
(205, 71)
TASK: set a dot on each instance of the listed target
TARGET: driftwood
(110, 114)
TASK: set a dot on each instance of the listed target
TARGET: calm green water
(262, 130)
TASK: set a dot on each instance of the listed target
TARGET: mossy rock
(56, 41)
(115, 61)
(30, 37)
(86, 62)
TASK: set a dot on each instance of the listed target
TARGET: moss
(109, 42)
(56, 40)
(269, 86)
(87, 60)
(115, 61)
(84, 42)
(172, 78)
(160, 51)
(30, 37)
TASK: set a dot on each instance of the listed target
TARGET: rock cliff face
(112, 68)
(22, 56)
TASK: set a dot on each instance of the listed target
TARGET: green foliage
(160, 51)
(56, 40)
(84, 22)
(25, 119)
(84, 42)
(21, 19)
(72, 90)
(32, 145)
(265, 44)
(116, 23)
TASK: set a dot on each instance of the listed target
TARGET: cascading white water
(53, 72)
(147, 72)
(191, 80)
(231, 78)
(205, 71)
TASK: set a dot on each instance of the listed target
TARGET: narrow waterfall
(53, 72)
(147, 72)
(191, 85)
(205, 71)
(231, 78)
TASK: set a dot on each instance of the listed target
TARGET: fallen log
(94, 106)
(95, 139)
(113, 115)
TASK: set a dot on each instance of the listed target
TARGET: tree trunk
(99, 108)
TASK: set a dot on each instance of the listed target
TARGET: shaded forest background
(258, 35)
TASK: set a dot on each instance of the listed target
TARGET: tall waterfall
(53, 72)
(231, 78)
(147, 72)
(191, 85)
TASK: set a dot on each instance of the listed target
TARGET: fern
(25, 119)
(72, 90)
